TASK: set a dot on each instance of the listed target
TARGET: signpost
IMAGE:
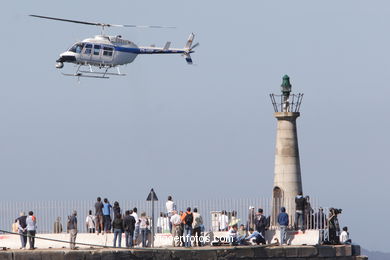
(152, 197)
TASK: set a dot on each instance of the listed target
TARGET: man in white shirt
(170, 205)
(176, 228)
(136, 230)
(223, 221)
(344, 237)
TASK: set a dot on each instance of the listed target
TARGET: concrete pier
(342, 252)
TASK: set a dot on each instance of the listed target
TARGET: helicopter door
(108, 53)
(87, 52)
(96, 53)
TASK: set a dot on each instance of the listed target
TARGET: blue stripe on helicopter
(139, 50)
(123, 49)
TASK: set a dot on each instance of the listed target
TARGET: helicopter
(107, 52)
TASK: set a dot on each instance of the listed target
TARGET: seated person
(242, 231)
(234, 238)
(344, 237)
(258, 238)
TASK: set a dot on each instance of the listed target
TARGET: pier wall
(342, 252)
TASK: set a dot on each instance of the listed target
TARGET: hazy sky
(206, 130)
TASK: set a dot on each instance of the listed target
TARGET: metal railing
(47, 212)
(293, 103)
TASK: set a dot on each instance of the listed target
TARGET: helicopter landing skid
(85, 76)
(94, 74)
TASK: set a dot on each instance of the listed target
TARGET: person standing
(22, 228)
(143, 226)
(187, 218)
(223, 221)
(31, 227)
(107, 215)
(117, 228)
(90, 222)
(334, 227)
(260, 222)
(160, 221)
(170, 205)
(15, 226)
(99, 215)
(283, 224)
(129, 226)
(196, 226)
(72, 227)
(300, 205)
(176, 228)
(57, 226)
(251, 218)
(136, 230)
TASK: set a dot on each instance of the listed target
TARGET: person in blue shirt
(283, 224)
(107, 215)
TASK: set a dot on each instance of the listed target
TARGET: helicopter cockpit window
(107, 51)
(96, 49)
(77, 48)
(88, 49)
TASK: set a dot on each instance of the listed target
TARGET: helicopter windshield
(77, 48)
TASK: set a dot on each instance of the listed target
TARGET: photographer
(334, 227)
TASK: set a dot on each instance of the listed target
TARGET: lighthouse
(287, 173)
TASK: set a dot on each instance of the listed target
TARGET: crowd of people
(187, 227)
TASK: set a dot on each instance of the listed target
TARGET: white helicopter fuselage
(110, 51)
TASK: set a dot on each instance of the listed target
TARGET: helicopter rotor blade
(142, 26)
(67, 20)
(101, 24)
(195, 45)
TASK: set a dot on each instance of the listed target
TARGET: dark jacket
(117, 224)
(116, 210)
(22, 221)
(300, 203)
(260, 223)
(129, 223)
(283, 219)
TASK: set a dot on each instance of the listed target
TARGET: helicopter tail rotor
(189, 48)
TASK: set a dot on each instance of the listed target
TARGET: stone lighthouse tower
(287, 179)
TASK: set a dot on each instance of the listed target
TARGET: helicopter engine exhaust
(59, 65)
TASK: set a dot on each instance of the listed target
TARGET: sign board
(152, 196)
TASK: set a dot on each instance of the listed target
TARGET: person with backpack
(187, 218)
(260, 222)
